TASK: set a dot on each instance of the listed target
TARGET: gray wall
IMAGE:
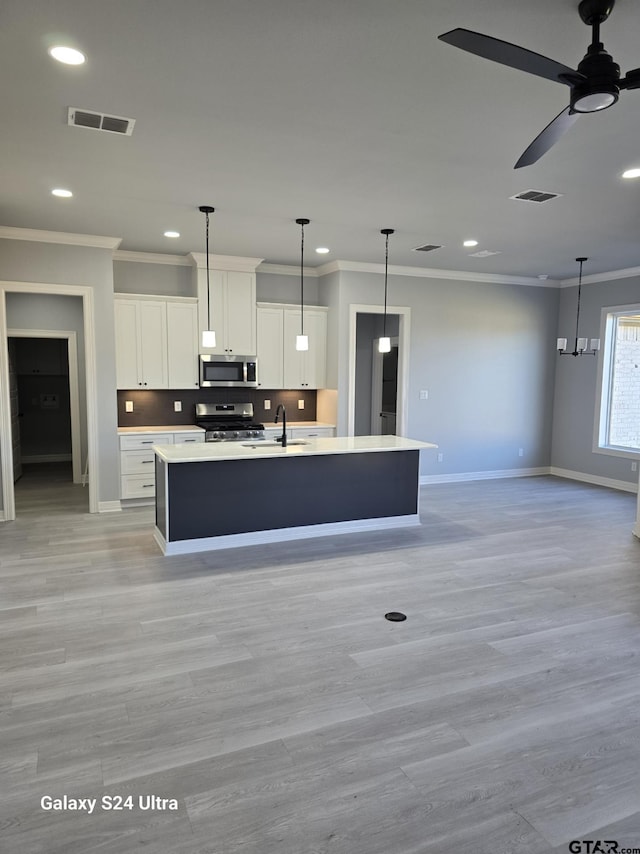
(575, 400)
(275, 287)
(24, 261)
(134, 277)
(485, 354)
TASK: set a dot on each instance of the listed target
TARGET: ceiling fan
(594, 86)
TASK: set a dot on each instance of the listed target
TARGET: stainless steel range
(228, 422)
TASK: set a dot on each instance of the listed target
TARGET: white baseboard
(482, 475)
(278, 535)
(623, 485)
(109, 507)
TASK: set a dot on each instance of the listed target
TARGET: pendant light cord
(301, 278)
(580, 261)
(206, 210)
(386, 268)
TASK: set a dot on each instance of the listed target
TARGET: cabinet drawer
(138, 486)
(184, 438)
(140, 441)
(137, 462)
(311, 432)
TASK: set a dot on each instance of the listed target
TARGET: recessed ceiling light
(631, 173)
(322, 250)
(470, 243)
(62, 194)
(172, 234)
(68, 55)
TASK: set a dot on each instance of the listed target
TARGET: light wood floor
(263, 689)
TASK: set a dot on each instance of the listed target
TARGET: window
(619, 428)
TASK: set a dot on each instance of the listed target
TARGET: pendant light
(208, 334)
(302, 340)
(384, 343)
(580, 344)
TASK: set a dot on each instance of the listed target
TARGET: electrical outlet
(634, 466)
(440, 457)
(424, 394)
(521, 452)
(267, 404)
(177, 406)
(301, 404)
(128, 406)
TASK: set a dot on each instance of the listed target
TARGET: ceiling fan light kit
(594, 86)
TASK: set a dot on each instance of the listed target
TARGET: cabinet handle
(146, 441)
(148, 485)
(146, 462)
(184, 441)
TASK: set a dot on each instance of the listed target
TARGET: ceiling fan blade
(549, 136)
(511, 55)
(631, 80)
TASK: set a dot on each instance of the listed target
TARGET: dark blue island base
(224, 503)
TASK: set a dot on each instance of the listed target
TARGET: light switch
(267, 404)
(301, 404)
(128, 406)
(177, 406)
(424, 394)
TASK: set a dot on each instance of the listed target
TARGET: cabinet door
(269, 348)
(182, 345)
(126, 326)
(315, 362)
(241, 313)
(153, 343)
(293, 359)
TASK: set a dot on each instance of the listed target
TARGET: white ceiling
(349, 112)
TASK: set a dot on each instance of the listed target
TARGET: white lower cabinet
(137, 460)
(273, 432)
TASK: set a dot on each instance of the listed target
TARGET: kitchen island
(222, 495)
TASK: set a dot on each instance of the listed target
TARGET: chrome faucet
(283, 438)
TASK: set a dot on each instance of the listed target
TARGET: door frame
(404, 317)
(377, 360)
(74, 389)
(8, 511)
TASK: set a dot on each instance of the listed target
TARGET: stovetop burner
(228, 422)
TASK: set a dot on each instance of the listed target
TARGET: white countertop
(212, 451)
(172, 428)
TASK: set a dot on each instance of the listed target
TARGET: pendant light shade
(384, 343)
(208, 334)
(580, 347)
(302, 340)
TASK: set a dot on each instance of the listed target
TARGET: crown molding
(431, 273)
(288, 270)
(610, 276)
(225, 262)
(62, 237)
(151, 258)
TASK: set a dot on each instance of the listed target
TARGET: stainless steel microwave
(225, 371)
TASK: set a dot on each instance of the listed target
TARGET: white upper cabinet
(182, 344)
(231, 302)
(141, 343)
(280, 365)
(156, 342)
(270, 347)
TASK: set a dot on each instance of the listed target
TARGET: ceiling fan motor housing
(600, 89)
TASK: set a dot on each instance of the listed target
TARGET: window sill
(616, 451)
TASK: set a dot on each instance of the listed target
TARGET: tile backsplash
(156, 406)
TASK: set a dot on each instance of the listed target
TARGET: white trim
(151, 258)
(109, 506)
(279, 535)
(623, 485)
(74, 391)
(37, 236)
(430, 273)
(225, 262)
(594, 278)
(156, 298)
(404, 350)
(287, 270)
(464, 477)
(6, 454)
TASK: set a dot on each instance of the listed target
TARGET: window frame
(608, 321)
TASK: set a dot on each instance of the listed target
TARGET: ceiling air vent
(535, 196)
(100, 121)
(428, 247)
(483, 253)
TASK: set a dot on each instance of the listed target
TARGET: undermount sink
(271, 443)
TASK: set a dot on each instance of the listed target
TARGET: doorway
(47, 427)
(378, 388)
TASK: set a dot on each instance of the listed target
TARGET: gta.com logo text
(599, 846)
